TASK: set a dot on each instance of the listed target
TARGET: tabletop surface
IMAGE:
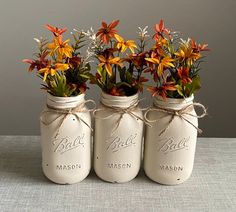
(23, 187)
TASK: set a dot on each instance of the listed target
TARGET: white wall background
(208, 21)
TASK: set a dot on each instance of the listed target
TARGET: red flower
(116, 92)
(160, 29)
(183, 73)
(106, 32)
(139, 83)
(199, 47)
(162, 90)
(82, 88)
(40, 63)
(56, 31)
(138, 60)
(74, 62)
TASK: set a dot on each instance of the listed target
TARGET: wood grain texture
(212, 186)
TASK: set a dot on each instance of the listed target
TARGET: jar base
(118, 181)
(171, 182)
(59, 181)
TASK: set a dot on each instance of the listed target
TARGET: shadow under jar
(66, 139)
(118, 138)
(171, 142)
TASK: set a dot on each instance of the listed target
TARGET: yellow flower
(52, 69)
(61, 48)
(122, 45)
(107, 62)
(165, 62)
(187, 54)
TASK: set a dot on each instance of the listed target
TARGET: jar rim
(60, 98)
(64, 102)
(104, 94)
(118, 101)
(174, 100)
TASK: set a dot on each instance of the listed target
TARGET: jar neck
(119, 101)
(172, 103)
(64, 102)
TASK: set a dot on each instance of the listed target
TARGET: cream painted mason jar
(170, 143)
(118, 138)
(66, 139)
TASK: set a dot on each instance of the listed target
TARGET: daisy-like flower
(160, 30)
(183, 73)
(41, 62)
(51, 69)
(107, 62)
(186, 53)
(122, 45)
(162, 90)
(56, 31)
(116, 92)
(198, 47)
(106, 32)
(161, 63)
(137, 59)
(61, 48)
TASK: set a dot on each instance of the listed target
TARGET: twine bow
(179, 113)
(65, 112)
(121, 111)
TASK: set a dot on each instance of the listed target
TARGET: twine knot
(178, 113)
(121, 111)
(63, 114)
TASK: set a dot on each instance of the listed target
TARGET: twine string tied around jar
(177, 113)
(64, 113)
(121, 111)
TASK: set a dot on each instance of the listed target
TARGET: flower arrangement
(121, 62)
(174, 64)
(60, 64)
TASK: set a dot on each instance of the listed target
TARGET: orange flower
(162, 90)
(107, 62)
(183, 74)
(106, 32)
(56, 31)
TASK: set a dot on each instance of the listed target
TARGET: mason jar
(171, 141)
(118, 138)
(66, 139)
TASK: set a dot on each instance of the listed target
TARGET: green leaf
(85, 76)
(179, 89)
(128, 77)
(122, 73)
(119, 84)
(196, 84)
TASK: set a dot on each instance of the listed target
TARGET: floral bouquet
(121, 62)
(174, 64)
(60, 64)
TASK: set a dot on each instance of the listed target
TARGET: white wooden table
(23, 187)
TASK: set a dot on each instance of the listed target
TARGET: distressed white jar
(66, 140)
(118, 138)
(169, 154)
